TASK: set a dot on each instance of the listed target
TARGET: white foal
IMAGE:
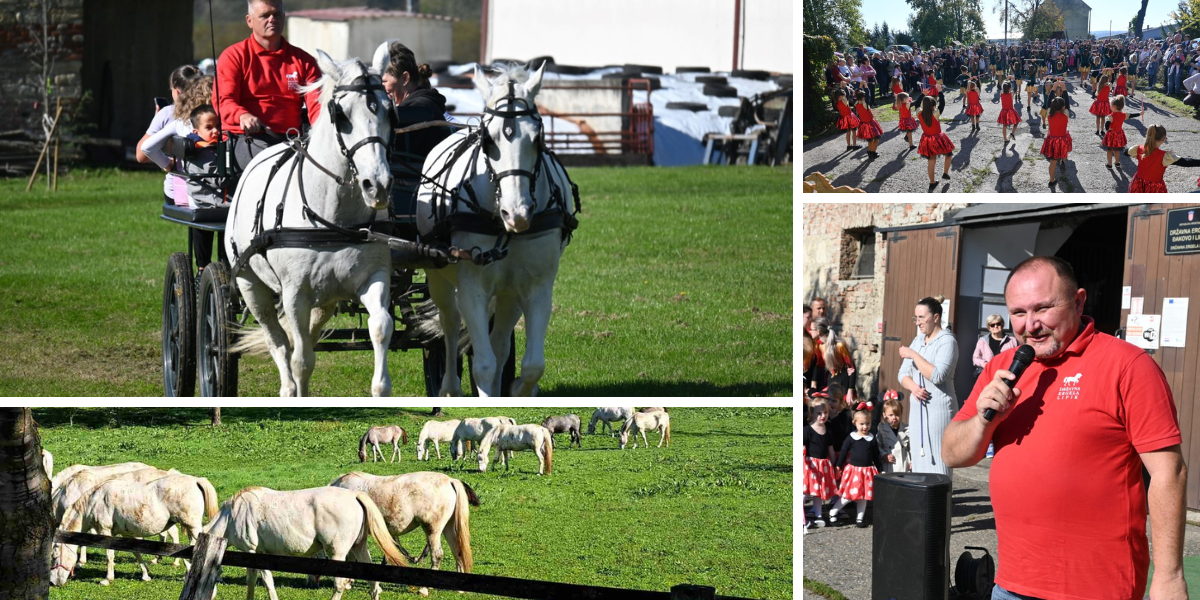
(435, 431)
(508, 438)
(643, 422)
(608, 415)
(473, 430)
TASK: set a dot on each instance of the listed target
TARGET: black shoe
(946, 176)
(933, 186)
(1109, 167)
(861, 524)
(1053, 183)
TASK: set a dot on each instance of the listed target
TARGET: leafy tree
(839, 20)
(937, 23)
(903, 38)
(1044, 20)
(1188, 17)
(880, 37)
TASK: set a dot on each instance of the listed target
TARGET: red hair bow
(891, 395)
(865, 406)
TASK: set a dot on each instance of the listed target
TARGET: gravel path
(840, 556)
(982, 162)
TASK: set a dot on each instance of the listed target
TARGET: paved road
(982, 162)
(840, 557)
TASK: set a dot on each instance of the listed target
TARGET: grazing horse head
(512, 136)
(357, 116)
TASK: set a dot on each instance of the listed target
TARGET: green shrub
(818, 52)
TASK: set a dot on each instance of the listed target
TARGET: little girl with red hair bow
(861, 460)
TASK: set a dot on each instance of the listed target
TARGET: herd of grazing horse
(138, 500)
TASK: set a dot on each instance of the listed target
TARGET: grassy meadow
(678, 282)
(713, 509)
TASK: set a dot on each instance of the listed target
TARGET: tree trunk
(1137, 21)
(26, 519)
(216, 417)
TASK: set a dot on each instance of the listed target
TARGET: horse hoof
(145, 578)
(423, 591)
(105, 582)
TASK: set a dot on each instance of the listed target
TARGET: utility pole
(1006, 24)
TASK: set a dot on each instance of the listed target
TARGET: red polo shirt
(1066, 479)
(265, 84)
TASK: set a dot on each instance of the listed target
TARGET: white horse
(435, 431)
(434, 502)
(48, 464)
(341, 178)
(124, 508)
(518, 437)
(643, 422)
(384, 434)
(607, 416)
(84, 482)
(473, 430)
(491, 187)
(102, 471)
(329, 520)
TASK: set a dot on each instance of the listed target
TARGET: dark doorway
(1096, 251)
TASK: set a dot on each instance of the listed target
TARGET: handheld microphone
(1021, 361)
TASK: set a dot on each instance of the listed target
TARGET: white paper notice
(1174, 322)
(1126, 292)
(1135, 305)
(1143, 331)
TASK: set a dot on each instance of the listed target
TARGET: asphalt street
(982, 162)
(841, 556)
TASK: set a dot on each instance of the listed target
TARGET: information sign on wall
(1183, 231)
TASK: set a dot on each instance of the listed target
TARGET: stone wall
(855, 304)
(20, 78)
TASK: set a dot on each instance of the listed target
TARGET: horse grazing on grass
(434, 502)
(435, 431)
(384, 434)
(609, 415)
(474, 430)
(643, 422)
(330, 520)
(124, 508)
(493, 190)
(102, 470)
(507, 438)
(83, 481)
(335, 181)
(565, 424)
(650, 409)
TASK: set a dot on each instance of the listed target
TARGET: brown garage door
(920, 263)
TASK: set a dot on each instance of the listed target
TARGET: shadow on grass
(163, 417)
(674, 389)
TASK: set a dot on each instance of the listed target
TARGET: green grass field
(713, 509)
(678, 282)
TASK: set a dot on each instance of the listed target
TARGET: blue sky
(896, 13)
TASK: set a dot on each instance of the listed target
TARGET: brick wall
(855, 305)
(20, 79)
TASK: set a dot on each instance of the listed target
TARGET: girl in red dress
(933, 143)
(819, 480)
(1153, 161)
(1100, 107)
(1114, 141)
(1058, 141)
(846, 121)
(1122, 79)
(896, 89)
(974, 108)
(868, 128)
(860, 458)
(907, 123)
(1008, 115)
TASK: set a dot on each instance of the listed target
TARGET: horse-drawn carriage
(205, 322)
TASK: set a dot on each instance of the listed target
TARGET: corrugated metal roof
(362, 12)
(995, 212)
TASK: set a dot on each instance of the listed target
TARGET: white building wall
(429, 39)
(666, 33)
(310, 35)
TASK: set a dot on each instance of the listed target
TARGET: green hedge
(818, 52)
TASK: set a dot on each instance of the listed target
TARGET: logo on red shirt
(1070, 388)
(293, 80)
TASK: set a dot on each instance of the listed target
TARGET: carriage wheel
(179, 327)
(508, 373)
(434, 359)
(214, 326)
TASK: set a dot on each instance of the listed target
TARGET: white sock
(818, 508)
(837, 507)
(862, 508)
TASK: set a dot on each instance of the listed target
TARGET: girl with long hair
(1100, 107)
(974, 108)
(1058, 141)
(1122, 80)
(1114, 141)
(1153, 161)
(1008, 115)
(933, 143)
(868, 128)
(907, 123)
(846, 120)
(1031, 88)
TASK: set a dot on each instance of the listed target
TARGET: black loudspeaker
(910, 554)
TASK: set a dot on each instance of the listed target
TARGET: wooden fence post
(201, 579)
(685, 591)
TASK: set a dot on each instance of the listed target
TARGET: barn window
(858, 254)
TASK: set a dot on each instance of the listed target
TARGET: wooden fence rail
(208, 556)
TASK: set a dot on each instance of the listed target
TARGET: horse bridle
(509, 114)
(366, 84)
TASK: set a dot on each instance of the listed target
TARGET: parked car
(899, 48)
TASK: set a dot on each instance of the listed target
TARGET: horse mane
(506, 72)
(325, 83)
(254, 489)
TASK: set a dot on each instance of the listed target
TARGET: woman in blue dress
(928, 374)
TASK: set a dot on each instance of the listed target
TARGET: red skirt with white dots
(819, 478)
(1009, 116)
(858, 483)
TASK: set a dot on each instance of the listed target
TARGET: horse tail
(210, 497)
(548, 449)
(362, 447)
(667, 427)
(403, 437)
(379, 530)
(254, 340)
(462, 526)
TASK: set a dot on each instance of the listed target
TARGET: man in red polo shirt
(1070, 439)
(259, 81)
